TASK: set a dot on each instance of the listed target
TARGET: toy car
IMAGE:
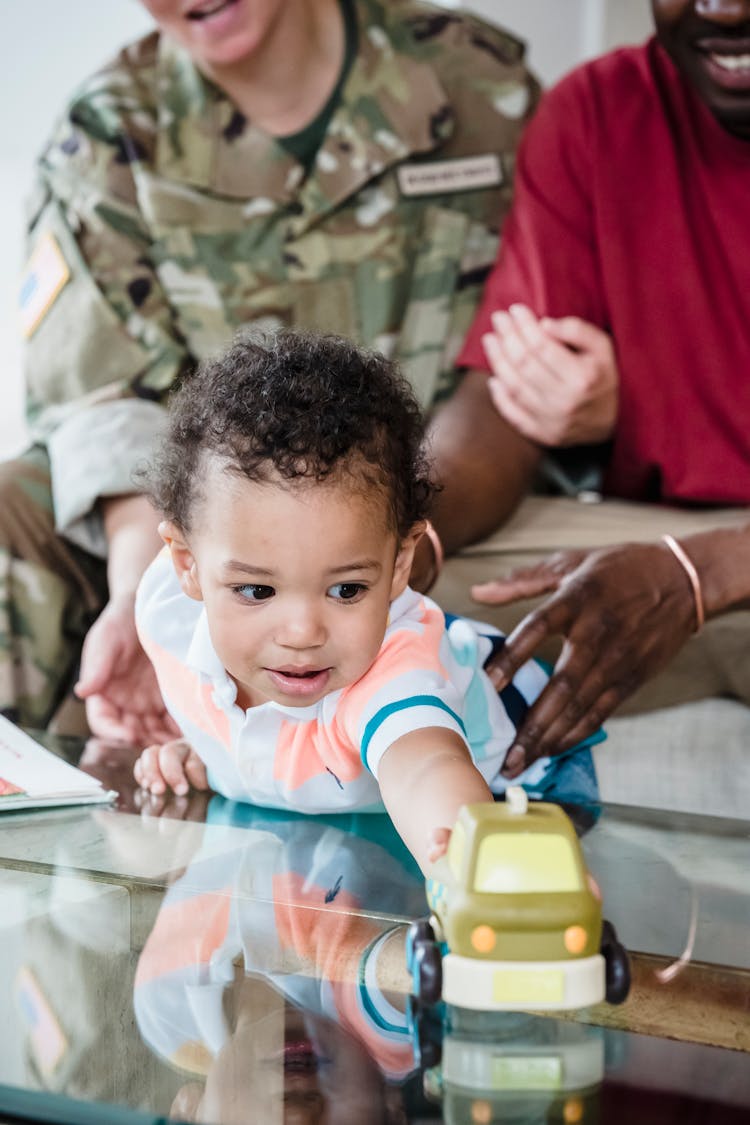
(516, 918)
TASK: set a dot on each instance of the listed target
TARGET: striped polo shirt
(324, 757)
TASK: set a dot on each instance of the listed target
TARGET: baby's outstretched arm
(172, 765)
(425, 777)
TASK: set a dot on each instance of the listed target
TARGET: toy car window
(456, 849)
(526, 864)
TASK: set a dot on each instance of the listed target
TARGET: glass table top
(199, 960)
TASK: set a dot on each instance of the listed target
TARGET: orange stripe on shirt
(331, 936)
(183, 688)
(298, 755)
(185, 933)
(404, 651)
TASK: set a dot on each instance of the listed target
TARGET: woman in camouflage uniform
(341, 165)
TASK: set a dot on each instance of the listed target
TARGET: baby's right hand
(174, 765)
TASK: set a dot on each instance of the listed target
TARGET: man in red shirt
(618, 312)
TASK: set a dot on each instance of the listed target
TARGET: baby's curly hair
(300, 406)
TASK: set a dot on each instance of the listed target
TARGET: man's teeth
(732, 62)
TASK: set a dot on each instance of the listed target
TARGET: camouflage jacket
(163, 222)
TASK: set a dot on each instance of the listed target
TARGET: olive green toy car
(516, 918)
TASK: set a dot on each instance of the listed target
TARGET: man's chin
(735, 119)
(726, 96)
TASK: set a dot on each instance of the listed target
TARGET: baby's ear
(405, 558)
(183, 559)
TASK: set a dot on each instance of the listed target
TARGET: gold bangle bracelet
(689, 568)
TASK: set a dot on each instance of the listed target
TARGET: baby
(301, 669)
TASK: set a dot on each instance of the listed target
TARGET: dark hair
(302, 406)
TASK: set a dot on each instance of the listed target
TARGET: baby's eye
(252, 592)
(347, 591)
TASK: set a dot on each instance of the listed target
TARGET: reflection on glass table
(204, 961)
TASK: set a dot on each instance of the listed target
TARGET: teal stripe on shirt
(413, 701)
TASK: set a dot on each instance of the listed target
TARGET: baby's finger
(196, 771)
(146, 770)
(172, 758)
(438, 843)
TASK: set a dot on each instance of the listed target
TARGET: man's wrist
(722, 559)
(687, 565)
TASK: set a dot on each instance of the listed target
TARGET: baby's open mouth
(300, 681)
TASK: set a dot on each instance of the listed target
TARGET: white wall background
(561, 33)
(48, 46)
(46, 49)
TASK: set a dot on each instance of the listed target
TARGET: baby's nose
(304, 628)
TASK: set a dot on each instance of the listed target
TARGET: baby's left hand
(438, 843)
(172, 765)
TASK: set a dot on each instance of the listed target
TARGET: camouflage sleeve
(96, 321)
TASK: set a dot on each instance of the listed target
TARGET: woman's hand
(624, 613)
(555, 381)
(123, 700)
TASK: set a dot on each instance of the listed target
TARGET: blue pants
(570, 776)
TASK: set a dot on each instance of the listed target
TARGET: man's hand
(529, 581)
(555, 381)
(123, 701)
(624, 612)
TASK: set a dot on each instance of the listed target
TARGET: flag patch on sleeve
(45, 276)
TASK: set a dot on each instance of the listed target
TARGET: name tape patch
(44, 277)
(465, 173)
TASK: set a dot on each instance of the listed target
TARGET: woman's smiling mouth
(208, 9)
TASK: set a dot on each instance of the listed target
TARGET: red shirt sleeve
(548, 257)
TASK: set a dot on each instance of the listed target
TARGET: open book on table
(34, 778)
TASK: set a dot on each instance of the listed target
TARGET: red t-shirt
(632, 210)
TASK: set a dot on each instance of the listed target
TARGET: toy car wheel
(419, 931)
(427, 972)
(426, 1032)
(616, 966)
(429, 1054)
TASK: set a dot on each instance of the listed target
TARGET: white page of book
(30, 774)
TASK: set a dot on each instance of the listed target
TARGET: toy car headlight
(483, 938)
(575, 938)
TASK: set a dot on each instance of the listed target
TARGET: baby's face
(297, 580)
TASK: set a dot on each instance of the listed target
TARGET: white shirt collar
(201, 655)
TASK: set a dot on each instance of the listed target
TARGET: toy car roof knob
(517, 800)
